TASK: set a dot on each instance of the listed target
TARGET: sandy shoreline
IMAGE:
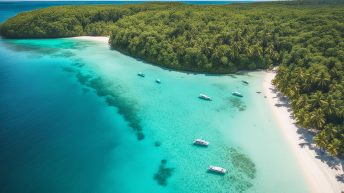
(320, 170)
(103, 39)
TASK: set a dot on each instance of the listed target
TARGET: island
(303, 40)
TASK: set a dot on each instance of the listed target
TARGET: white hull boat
(201, 142)
(204, 97)
(217, 169)
(238, 94)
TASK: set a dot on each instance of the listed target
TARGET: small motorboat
(204, 97)
(157, 81)
(201, 142)
(141, 74)
(244, 81)
(217, 169)
(258, 92)
(238, 94)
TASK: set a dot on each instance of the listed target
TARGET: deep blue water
(51, 133)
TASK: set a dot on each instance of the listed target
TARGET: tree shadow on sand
(307, 135)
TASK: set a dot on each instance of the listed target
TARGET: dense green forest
(69, 21)
(305, 39)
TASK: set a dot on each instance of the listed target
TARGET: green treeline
(305, 39)
(69, 21)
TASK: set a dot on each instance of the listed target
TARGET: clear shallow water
(71, 112)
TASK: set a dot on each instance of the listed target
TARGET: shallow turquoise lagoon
(77, 118)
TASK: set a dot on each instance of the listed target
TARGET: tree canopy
(304, 39)
(69, 21)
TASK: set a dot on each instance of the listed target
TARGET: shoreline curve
(320, 176)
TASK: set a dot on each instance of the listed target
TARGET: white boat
(244, 81)
(238, 94)
(217, 169)
(157, 81)
(204, 97)
(141, 74)
(201, 142)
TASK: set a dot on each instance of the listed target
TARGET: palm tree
(317, 119)
(329, 106)
(307, 81)
(293, 91)
(317, 99)
(302, 117)
(249, 51)
(322, 79)
(280, 79)
(301, 102)
(334, 146)
(321, 140)
(258, 51)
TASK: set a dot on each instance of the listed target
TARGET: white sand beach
(322, 172)
(104, 39)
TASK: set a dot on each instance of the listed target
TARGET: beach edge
(319, 176)
(103, 39)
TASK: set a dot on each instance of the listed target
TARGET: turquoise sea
(76, 118)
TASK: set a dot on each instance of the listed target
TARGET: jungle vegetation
(303, 38)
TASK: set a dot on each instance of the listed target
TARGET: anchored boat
(141, 74)
(201, 142)
(238, 94)
(157, 81)
(204, 97)
(217, 169)
(244, 81)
